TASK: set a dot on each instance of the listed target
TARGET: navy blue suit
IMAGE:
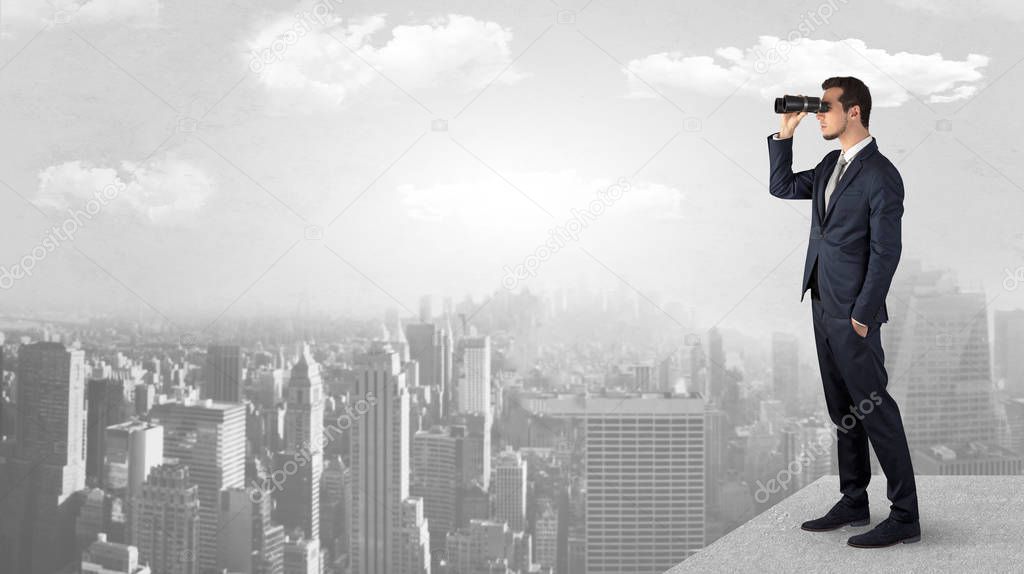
(852, 254)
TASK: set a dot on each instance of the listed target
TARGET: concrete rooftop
(968, 524)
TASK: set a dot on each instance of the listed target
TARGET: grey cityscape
(510, 287)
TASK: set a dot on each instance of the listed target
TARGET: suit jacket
(856, 240)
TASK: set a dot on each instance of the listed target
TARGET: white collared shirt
(857, 147)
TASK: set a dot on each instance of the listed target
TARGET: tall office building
(475, 386)
(110, 402)
(785, 371)
(433, 349)
(644, 465)
(247, 539)
(166, 521)
(509, 488)
(939, 371)
(37, 509)
(102, 557)
(1008, 360)
(414, 554)
(132, 449)
(545, 534)
(476, 465)
(298, 500)
(208, 437)
(380, 461)
(223, 373)
(437, 466)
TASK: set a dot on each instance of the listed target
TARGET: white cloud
(161, 192)
(32, 12)
(454, 53)
(773, 67)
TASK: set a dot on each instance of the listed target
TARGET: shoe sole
(861, 522)
(910, 540)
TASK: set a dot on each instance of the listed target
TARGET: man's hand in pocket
(860, 328)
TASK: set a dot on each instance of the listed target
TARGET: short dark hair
(855, 93)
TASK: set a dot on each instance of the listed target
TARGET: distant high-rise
(380, 461)
(475, 388)
(426, 348)
(299, 498)
(132, 449)
(223, 373)
(37, 514)
(247, 539)
(166, 521)
(509, 488)
(110, 402)
(437, 458)
(476, 466)
(644, 465)
(940, 370)
(426, 311)
(209, 437)
(414, 554)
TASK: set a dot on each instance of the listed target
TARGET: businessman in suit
(854, 247)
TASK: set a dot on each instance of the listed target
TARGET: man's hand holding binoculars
(789, 122)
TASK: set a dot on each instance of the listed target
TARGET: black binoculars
(789, 104)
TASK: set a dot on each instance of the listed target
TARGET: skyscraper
(299, 498)
(223, 373)
(645, 481)
(432, 348)
(509, 488)
(941, 374)
(247, 540)
(166, 521)
(37, 508)
(208, 437)
(437, 470)
(108, 404)
(380, 461)
(475, 388)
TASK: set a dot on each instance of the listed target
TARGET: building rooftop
(968, 524)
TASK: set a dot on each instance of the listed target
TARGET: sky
(266, 156)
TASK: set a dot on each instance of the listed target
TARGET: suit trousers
(854, 379)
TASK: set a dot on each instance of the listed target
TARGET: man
(852, 254)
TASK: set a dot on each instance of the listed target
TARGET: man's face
(833, 122)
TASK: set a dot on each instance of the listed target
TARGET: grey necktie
(834, 180)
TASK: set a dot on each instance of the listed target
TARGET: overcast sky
(268, 154)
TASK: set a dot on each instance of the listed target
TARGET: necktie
(834, 180)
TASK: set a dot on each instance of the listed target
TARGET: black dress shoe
(839, 516)
(887, 533)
